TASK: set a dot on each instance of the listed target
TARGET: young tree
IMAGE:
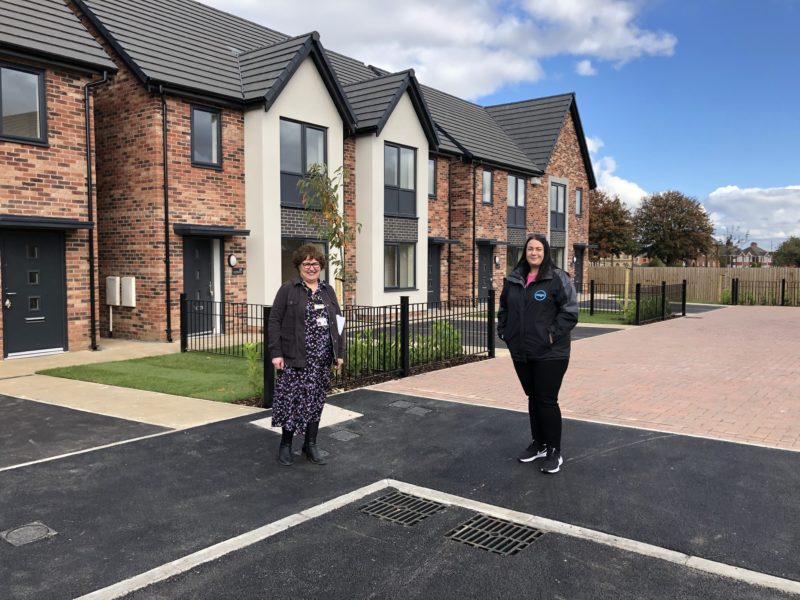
(672, 227)
(788, 253)
(320, 194)
(610, 226)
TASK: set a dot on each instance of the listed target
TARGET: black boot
(310, 449)
(285, 456)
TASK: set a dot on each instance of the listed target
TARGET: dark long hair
(547, 261)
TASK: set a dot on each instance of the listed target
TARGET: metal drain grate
(27, 534)
(398, 507)
(495, 535)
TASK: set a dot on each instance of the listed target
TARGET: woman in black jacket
(538, 309)
(304, 342)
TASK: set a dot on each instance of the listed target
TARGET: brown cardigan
(286, 328)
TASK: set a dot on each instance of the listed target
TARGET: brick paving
(730, 374)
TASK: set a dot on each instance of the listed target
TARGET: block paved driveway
(729, 374)
(662, 515)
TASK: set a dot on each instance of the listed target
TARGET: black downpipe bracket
(90, 205)
(168, 274)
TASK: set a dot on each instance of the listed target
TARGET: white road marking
(191, 561)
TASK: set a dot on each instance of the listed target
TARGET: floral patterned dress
(300, 393)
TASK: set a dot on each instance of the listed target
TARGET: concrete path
(730, 374)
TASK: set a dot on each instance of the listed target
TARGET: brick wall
(439, 219)
(349, 202)
(50, 181)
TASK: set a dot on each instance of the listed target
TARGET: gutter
(90, 206)
(167, 265)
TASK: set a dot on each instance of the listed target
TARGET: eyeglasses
(311, 266)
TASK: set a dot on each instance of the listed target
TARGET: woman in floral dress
(304, 342)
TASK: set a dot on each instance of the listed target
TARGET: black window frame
(290, 195)
(578, 202)
(217, 166)
(42, 140)
(490, 173)
(432, 192)
(516, 213)
(396, 195)
(558, 218)
(398, 288)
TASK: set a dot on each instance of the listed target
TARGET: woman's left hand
(339, 363)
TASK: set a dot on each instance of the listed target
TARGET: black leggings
(541, 380)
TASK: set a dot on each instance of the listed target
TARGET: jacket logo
(540, 295)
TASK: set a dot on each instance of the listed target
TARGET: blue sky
(697, 96)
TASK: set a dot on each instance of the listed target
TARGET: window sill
(400, 216)
(412, 289)
(211, 166)
(28, 141)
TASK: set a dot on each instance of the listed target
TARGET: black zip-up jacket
(287, 326)
(529, 317)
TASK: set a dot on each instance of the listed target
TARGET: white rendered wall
(305, 98)
(403, 128)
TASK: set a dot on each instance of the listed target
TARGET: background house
(753, 256)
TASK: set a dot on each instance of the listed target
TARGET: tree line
(669, 228)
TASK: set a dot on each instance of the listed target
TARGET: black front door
(579, 251)
(434, 270)
(34, 291)
(484, 270)
(198, 284)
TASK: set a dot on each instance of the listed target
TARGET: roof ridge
(310, 34)
(531, 100)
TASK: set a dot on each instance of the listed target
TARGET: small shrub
(651, 309)
(726, 297)
(255, 368)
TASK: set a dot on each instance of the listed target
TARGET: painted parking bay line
(216, 551)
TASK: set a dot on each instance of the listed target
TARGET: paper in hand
(340, 323)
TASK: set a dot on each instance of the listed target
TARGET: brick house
(753, 256)
(49, 69)
(211, 120)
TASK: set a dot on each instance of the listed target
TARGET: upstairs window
(431, 177)
(22, 105)
(487, 187)
(206, 137)
(399, 181)
(302, 145)
(558, 215)
(516, 202)
(579, 202)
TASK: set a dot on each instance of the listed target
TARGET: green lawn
(192, 374)
(601, 318)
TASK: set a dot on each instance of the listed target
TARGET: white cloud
(585, 68)
(466, 48)
(770, 215)
(629, 192)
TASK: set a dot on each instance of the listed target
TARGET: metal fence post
(591, 297)
(663, 300)
(735, 291)
(269, 369)
(490, 324)
(783, 292)
(683, 298)
(184, 328)
(405, 366)
(638, 302)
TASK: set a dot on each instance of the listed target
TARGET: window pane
(389, 266)
(487, 187)
(315, 147)
(562, 192)
(291, 159)
(521, 191)
(512, 190)
(390, 161)
(20, 102)
(431, 177)
(406, 265)
(553, 197)
(205, 136)
(578, 201)
(407, 169)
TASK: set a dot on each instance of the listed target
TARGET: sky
(698, 96)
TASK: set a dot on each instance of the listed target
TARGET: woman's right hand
(278, 363)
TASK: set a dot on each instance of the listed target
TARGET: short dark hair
(308, 251)
(547, 261)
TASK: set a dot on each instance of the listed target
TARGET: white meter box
(112, 291)
(128, 297)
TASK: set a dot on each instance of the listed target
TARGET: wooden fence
(703, 284)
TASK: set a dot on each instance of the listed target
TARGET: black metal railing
(659, 302)
(762, 293)
(606, 298)
(382, 342)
